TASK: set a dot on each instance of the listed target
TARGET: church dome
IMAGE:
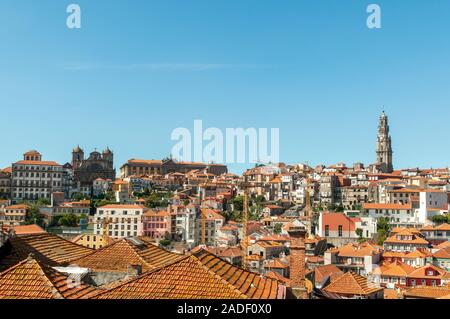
(107, 151)
(77, 149)
(32, 152)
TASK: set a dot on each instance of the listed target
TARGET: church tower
(77, 157)
(384, 145)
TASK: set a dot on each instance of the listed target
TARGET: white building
(184, 222)
(213, 222)
(33, 179)
(409, 213)
(101, 186)
(432, 203)
(399, 215)
(123, 220)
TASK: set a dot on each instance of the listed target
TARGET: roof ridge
(147, 273)
(95, 251)
(45, 271)
(135, 251)
(59, 238)
(215, 275)
(40, 267)
(236, 267)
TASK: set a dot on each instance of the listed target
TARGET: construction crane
(308, 207)
(203, 240)
(105, 225)
(105, 222)
(245, 217)
(245, 230)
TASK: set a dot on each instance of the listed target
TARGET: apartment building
(157, 224)
(33, 179)
(184, 224)
(340, 229)
(14, 215)
(5, 183)
(122, 220)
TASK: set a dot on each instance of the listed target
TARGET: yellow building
(91, 241)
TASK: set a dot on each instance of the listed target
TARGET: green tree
(339, 208)
(238, 203)
(165, 243)
(360, 234)
(69, 220)
(155, 199)
(260, 199)
(34, 217)
(439, 219)
(383, 229)
(79, 196)
(318, 208)
(43, 202)
(277, 228)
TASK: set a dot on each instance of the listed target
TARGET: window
(327, 230)
(340, 231)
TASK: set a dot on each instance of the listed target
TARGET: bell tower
(384, 145)
(77, 157)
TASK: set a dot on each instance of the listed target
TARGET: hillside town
(167, 229)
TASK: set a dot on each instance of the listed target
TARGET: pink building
(157, 224)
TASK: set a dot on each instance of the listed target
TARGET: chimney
(297, 261)
(134, 270)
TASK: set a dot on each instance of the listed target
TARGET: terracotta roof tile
(359, 250)
(30, 279)
(117, 256)
(443, 253)
(322, 272)
(184, 279)
(415, 239)
(396, 269)
(422, 272)
(50, 249)
(28, 230)
(241, 279)
(427, 292)
(352, 284)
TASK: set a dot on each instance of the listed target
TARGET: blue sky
(136, 70)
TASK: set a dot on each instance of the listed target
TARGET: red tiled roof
(198, 276)
(50, 249)
(185, 279)
(426, 292)
(387, 206)
(122, 206)
(117, 256)
(358, 250)
(351, 284)
(422, 272)
(45, 163)
(334, 220)
(415, 239)
(30, 279)
(443, 253)
(251, 284)
(28, 230)
(327, 271)
(396, 269)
